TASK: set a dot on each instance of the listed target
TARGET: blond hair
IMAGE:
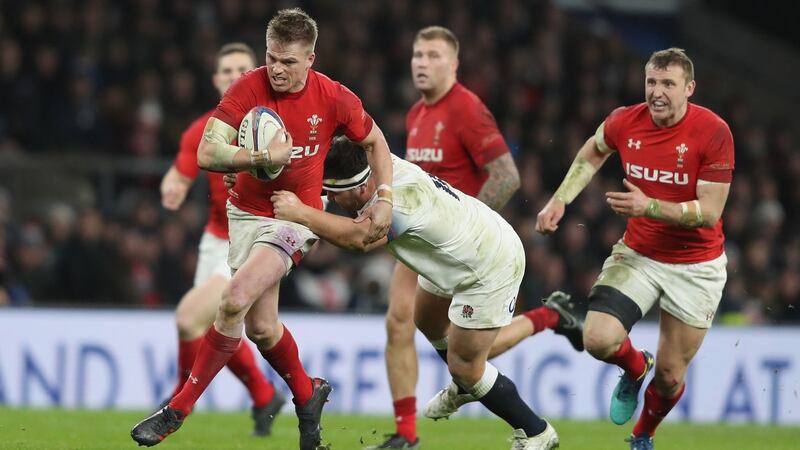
(438, 32)
(293, 25)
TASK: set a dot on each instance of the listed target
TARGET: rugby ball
(258, 127)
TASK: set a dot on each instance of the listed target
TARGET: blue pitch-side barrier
(126, 360)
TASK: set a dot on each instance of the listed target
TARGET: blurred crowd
(125, 78)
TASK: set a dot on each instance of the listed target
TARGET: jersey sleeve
(186, 159)
(351, 116)
(480, 136)
(607, 134)
(236, 102)
(717, 161)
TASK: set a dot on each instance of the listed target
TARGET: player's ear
(690, 88)
(311, 57)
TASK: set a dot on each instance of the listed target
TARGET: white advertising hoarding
(126, 360)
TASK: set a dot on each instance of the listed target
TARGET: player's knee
(399, 328)
(235, 300)
(599, 344)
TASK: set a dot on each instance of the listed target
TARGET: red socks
(405, 416)
(284, 358)
(628, 359)
(656, 407)
(542, 318)
(243, 365)
(215, 350)
(187, 352)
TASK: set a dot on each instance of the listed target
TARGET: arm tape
(579, 175)
(691, 214)
(223, 152)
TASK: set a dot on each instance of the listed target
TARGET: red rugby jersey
(312, 116)
(454, 138)
(186, 163)
(665, 163)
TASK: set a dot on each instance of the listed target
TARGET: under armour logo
(632, 143)
(291, 241)
(194, 380)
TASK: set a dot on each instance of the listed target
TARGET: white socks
(486, 382)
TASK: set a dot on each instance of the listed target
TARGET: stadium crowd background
(102, 81)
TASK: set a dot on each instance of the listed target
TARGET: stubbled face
(433, 64)
(667, 93)
(229, 68)
(288, 65)
(351, 200)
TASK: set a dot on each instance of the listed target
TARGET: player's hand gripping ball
(257, 129)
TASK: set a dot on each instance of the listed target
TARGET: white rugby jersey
(451, 239)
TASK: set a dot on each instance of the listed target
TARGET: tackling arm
(503, 181)
(380, 161)
(340, 231)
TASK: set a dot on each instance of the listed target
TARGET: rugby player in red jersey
(197, 308)
(451, 134)
(678, 160)
(262, 249)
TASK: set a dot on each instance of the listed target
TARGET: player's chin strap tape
(339, 185)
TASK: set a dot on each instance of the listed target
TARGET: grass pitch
(61, 429)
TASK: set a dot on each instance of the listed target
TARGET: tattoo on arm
(503, 181)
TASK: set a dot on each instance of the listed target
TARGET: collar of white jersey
(340, 185)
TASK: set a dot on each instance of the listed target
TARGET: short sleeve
(480, 136)
(717, 162)
(237, 101)
(351, 116)
(607, 134)
(186, 159)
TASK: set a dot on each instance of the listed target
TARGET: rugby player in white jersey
(470, 264)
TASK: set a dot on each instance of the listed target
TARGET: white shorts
(690, 292)
(487, 303)
(293, 241)
(212, 259)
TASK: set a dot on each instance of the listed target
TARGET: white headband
(340, 185)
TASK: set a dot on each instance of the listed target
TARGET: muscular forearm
(503, 181)
(220, 157)
(689, 214)
(379, 160)
(216, 154)
(338, 230)
(588, 160)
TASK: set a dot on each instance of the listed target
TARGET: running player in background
(470, 264)
(678, 159)
(263, 249)
(198, 307)
(451, 134)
